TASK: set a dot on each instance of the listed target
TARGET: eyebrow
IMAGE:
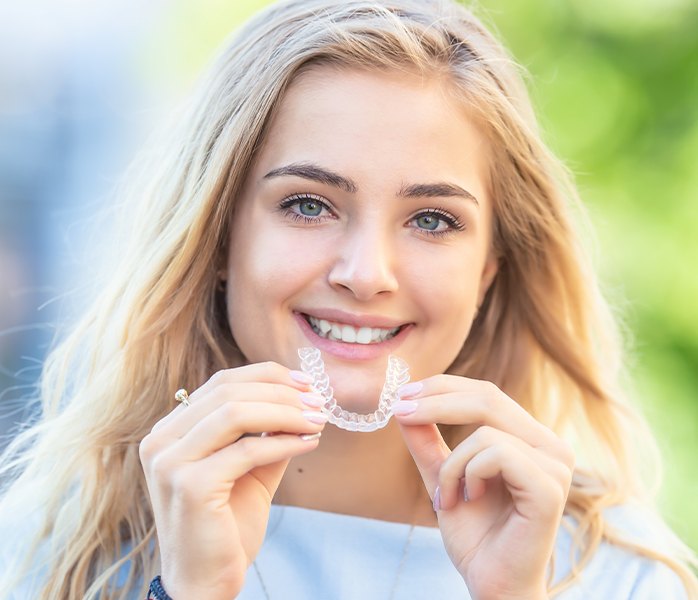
(314, 172)
(436, 190)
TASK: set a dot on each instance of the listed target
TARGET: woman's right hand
(211, 484)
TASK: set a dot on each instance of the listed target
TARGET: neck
(364, 474)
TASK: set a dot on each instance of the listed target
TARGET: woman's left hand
(514, 472)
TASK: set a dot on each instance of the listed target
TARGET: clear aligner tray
(397, 374)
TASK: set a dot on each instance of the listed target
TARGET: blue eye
(437, 222)
(428, 222)
(307, 207)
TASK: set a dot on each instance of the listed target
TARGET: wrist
(156, 591)
(161, 591)
(532, 594)
(537, 594)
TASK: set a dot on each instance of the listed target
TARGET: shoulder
(618, 571)
(26, 555)
(22, 575)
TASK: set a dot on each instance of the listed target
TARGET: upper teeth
(347, 333)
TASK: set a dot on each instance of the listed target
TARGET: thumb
(428, 449)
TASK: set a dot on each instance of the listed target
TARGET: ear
(221, 279)
(489, 271)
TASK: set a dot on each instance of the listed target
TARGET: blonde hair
(544, 333)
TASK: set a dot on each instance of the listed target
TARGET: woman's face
(363, 229)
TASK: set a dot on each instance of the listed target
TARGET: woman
(364, 178)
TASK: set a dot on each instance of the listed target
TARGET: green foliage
(616, 85)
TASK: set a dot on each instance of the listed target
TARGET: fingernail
(315, 416)
(300, 377)
(465, 493)
(404, 407)
(410, 389)
(312, 399)
(310, 437)
(437, 499)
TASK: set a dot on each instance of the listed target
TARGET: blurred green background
(616, 88)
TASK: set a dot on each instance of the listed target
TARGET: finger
(454, 468)
(205, 404)
(200, 482)
(227, 424)
(456, 400)
(266, 372)
(534, 493)
(265, 457)
(428, 450)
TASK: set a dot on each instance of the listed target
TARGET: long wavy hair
(544, 333)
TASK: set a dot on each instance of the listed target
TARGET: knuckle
(471, 468)
(491, 394)
(485, 435)
(446, 473)
(552, 497)
(161, 467)
(567, 454)
(498, 451)
(219, 377)
(558, 496)
(148, 448)
(230, 410)
(566, 476)
(271, 367)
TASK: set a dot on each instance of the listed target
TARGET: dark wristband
(156, 591)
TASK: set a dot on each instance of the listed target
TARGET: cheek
(266, 268)
(447, 283)
(256, 257)
(451, 308)
(447, 295)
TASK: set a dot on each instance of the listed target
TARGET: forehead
(362, 121)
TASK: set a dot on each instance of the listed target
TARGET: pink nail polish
(410, 389)
(300, 377)
(315, 416)
(403, 408)
(312, 399)
(437, 499)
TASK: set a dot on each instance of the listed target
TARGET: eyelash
(454, 224)
(287, 204)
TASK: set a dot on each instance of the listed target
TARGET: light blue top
(309, 554)
(312, 554)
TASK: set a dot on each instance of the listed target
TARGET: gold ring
(183, 397)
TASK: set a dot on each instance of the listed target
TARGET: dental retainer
(396, 374)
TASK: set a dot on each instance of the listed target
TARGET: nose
(364, 263)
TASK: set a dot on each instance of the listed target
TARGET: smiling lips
(341, 332)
